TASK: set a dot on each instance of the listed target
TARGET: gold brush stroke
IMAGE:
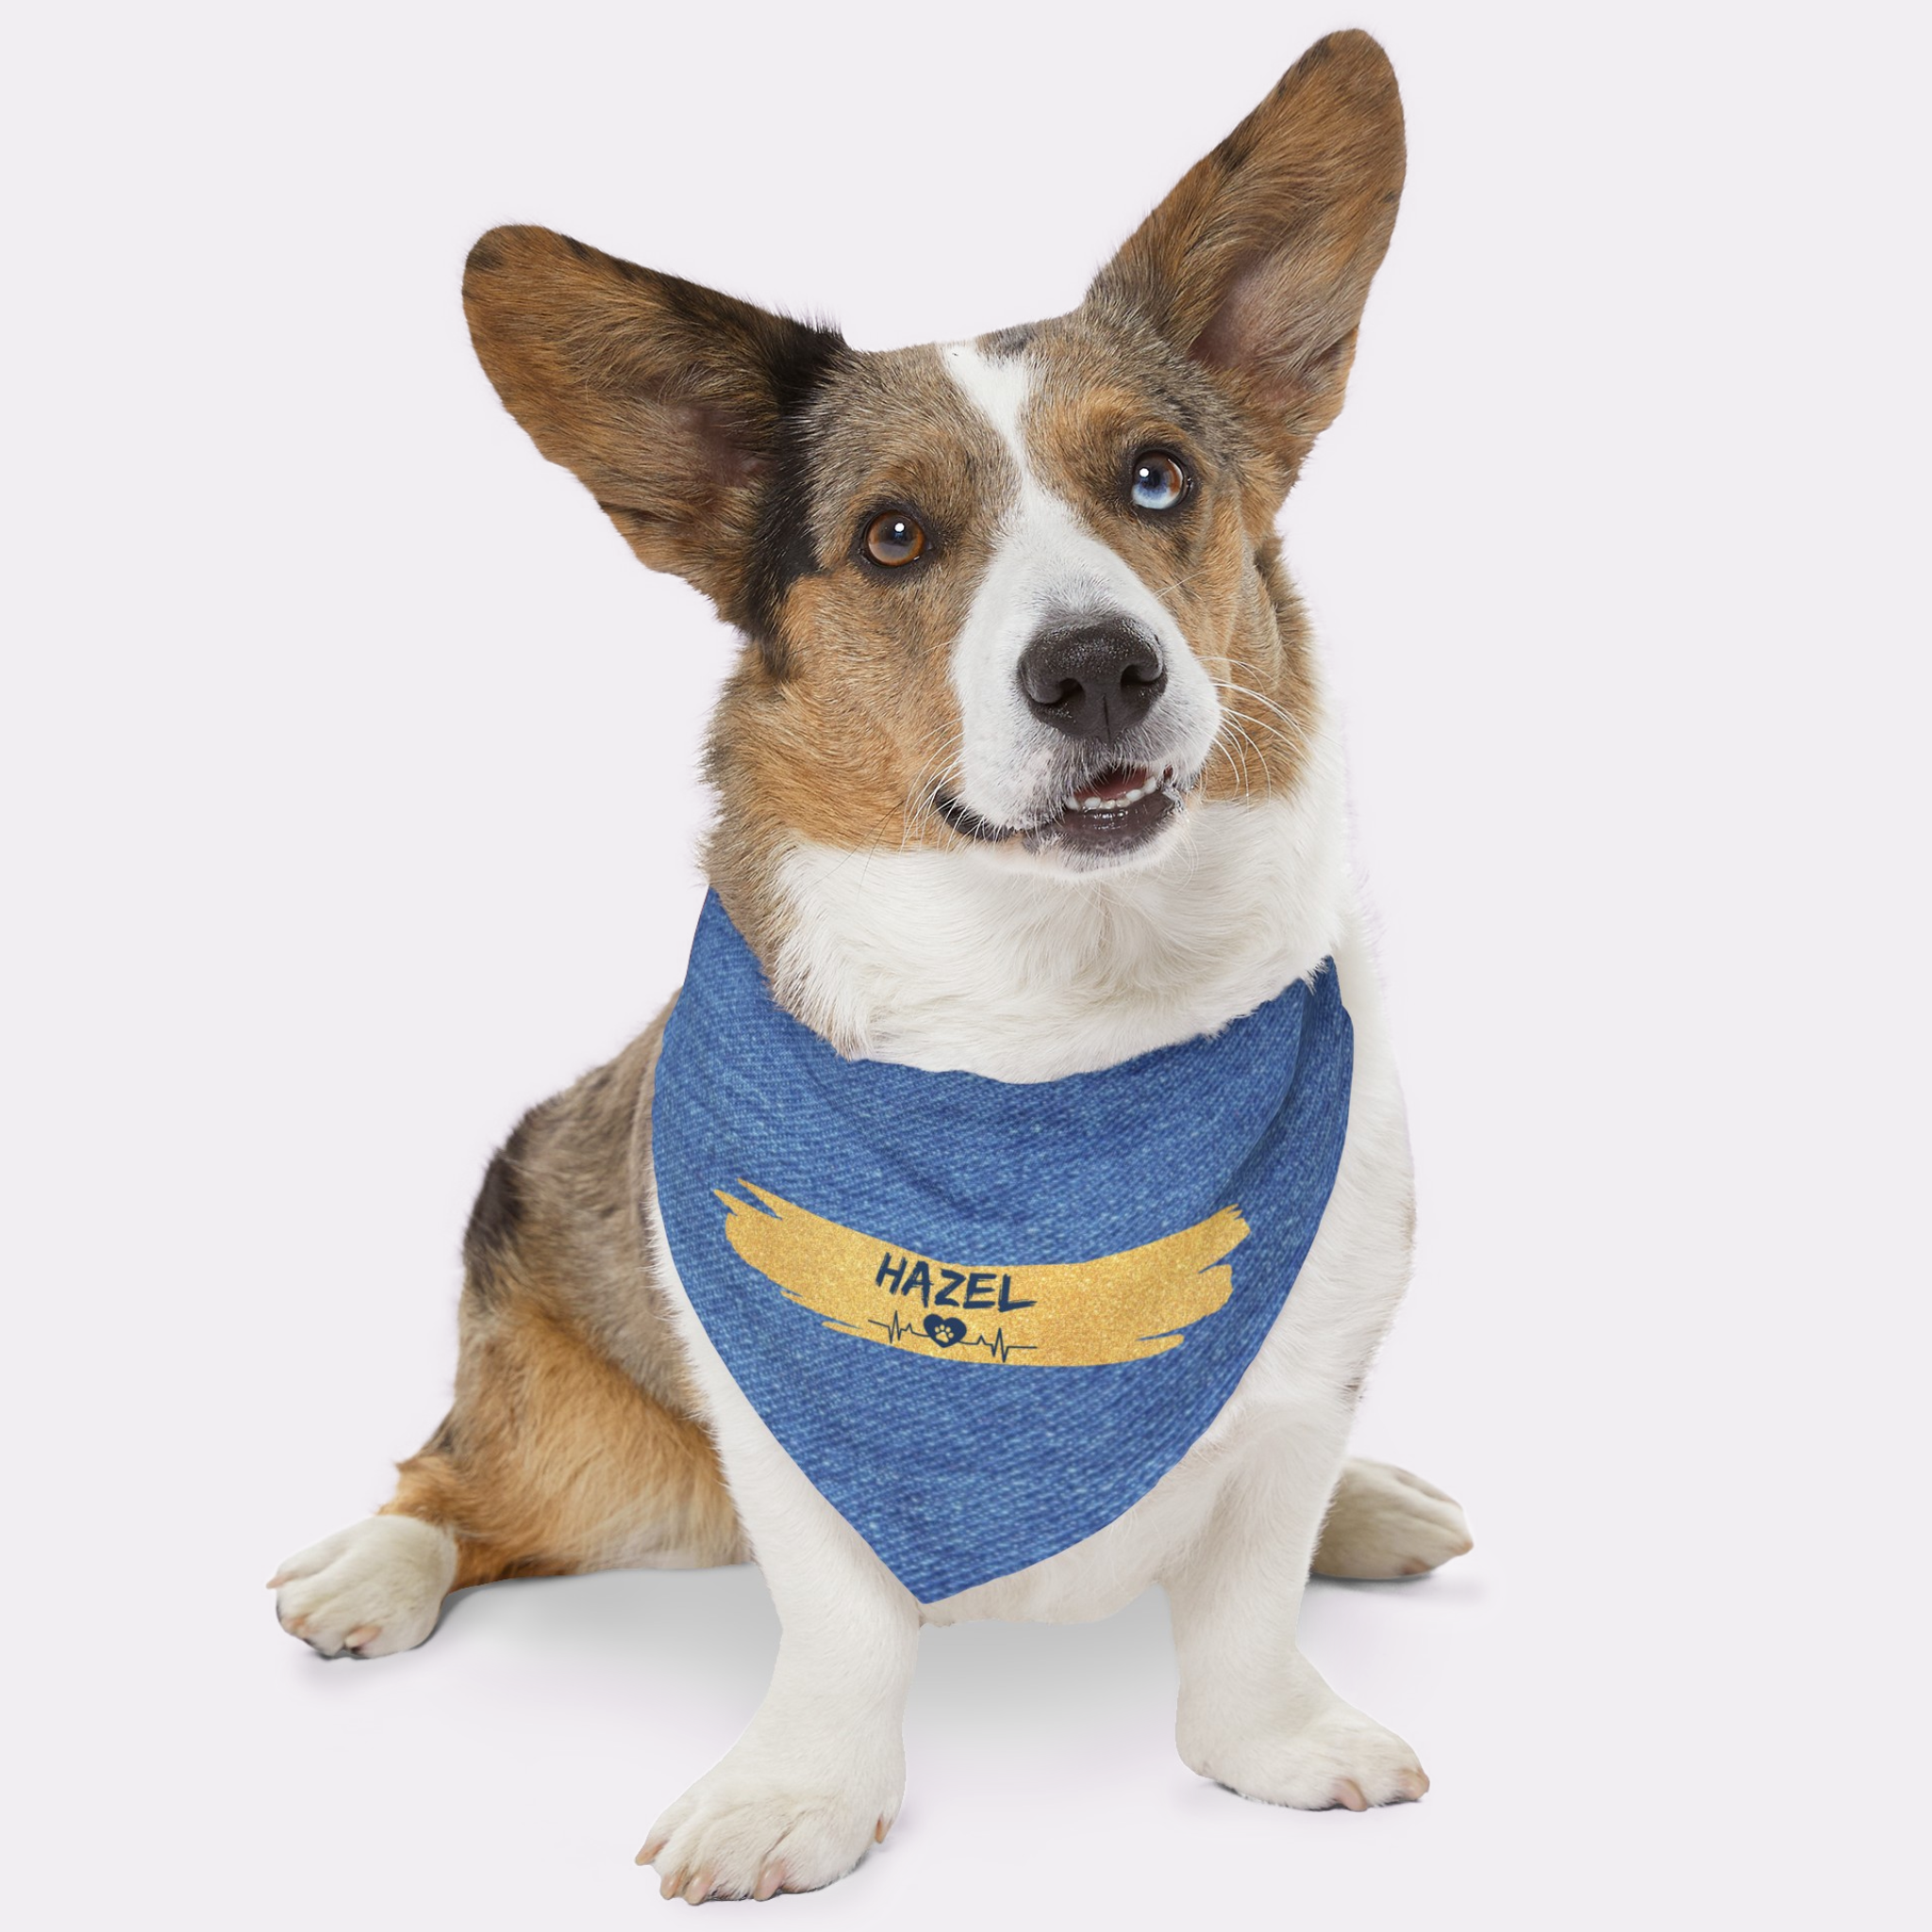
(1119, 1309)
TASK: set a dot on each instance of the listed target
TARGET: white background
(349, 767)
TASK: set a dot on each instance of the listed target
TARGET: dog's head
(1020, 597)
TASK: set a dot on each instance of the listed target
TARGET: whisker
(1290, 725)
(1187, 579)
(1228, 718)
(924, 797)
(1284, 729)
(928, 794)
(1233, 723)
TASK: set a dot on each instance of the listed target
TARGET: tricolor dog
(1028, 1106)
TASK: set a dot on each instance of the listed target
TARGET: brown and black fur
(572, 1442)
(745, 452)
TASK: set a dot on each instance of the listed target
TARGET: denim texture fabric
(964, 1468)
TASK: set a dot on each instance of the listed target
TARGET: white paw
(1385, 1522)
(369, 1590)
(1340, 1758)
(750, 1829)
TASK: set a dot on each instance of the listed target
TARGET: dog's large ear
(668, 400)
(1258, 262)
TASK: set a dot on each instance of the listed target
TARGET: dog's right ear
(666, 399)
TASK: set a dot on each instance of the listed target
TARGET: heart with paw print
(945, 1330)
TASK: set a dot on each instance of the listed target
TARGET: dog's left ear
(1258, 264)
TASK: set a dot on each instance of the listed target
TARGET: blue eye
(1159, 482)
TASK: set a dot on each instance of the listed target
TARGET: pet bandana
(986, 1317)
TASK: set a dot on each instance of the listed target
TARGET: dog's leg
(818, 1774)
(552, 1461)
(1254, 1714)
(574, 1443)
(1385, 1522)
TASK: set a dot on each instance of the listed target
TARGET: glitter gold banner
(1116, 1308)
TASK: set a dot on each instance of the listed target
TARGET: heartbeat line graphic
(999, 1347)
(996, 1344)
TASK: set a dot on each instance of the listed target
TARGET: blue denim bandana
(983, 1317)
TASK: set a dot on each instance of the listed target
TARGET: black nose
(1091, 680)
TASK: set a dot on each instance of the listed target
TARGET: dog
(1025, 781)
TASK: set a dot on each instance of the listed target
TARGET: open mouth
(1114, 811)
(1107, 815)
(1114, 789)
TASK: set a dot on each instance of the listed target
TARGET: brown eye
(894, 539)
(1156, 480)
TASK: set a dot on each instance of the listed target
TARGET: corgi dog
(1023, 772)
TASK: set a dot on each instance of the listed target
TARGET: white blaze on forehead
(1047, 564)
(998, 389)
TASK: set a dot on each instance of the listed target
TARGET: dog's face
(1023, 558)
(1018, 598)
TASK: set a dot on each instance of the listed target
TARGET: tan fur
(555, 1462)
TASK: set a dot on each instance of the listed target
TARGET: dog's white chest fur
(948, 960)
(939, 962)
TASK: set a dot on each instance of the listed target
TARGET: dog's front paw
(1338, 1758)
(1385, 1522)
(751, 1828)
(373, 1588)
